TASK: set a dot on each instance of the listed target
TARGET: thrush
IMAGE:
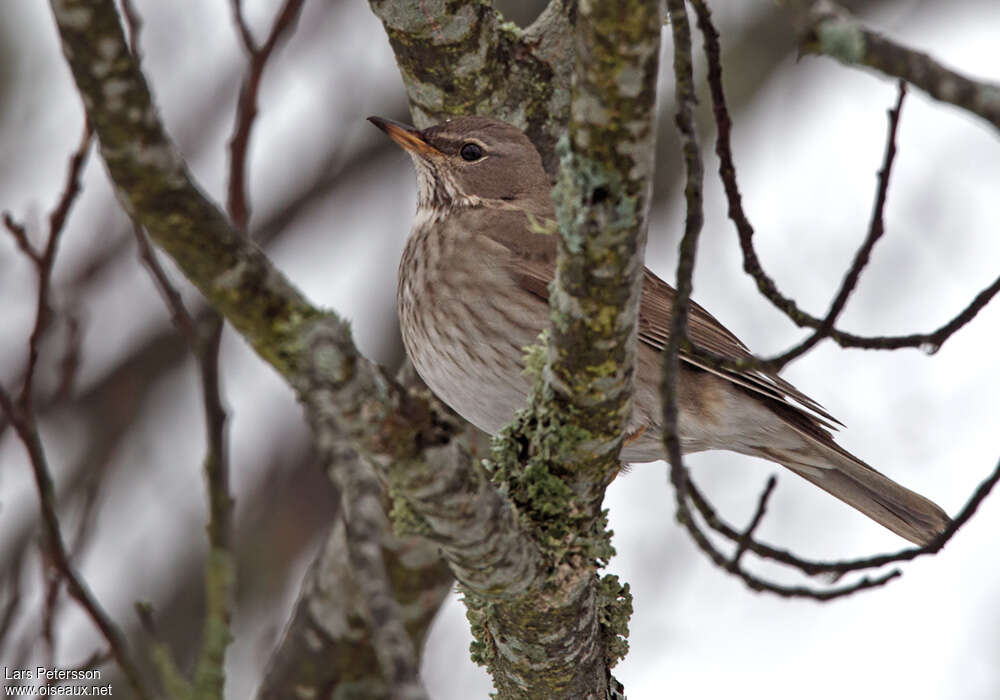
(473, 293)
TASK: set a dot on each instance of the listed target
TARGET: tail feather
(846, 477)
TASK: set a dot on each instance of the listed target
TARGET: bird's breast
(464, 320)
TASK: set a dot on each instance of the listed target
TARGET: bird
(473, 293)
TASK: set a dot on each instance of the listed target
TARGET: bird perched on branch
(473, 292)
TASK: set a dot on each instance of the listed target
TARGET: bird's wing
(707, 333)
(534, 267)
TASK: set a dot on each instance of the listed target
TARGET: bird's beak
(405, 135)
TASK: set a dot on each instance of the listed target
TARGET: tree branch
(237, 203)
(410, 445)
(561, 638)
(875, 231)
(20, 414)
(686, 101)
(462, 58)
(327, 643)
(364, 527)
(829, 29)
(744, 541)
(930, 341)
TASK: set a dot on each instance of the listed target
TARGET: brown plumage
(473, 292)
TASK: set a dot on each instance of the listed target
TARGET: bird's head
(471, 161)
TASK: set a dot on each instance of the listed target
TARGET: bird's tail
(838, 472)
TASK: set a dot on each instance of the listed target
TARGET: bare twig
(20, 414)
(760, 585)
(69, 363)
(246, 36)
(217, 459)
(133, 23)
(751, 262)
(204, 341)
(875, 231)
(679, 475)
(839, 568)
(14, 599)
(758, 516)
(205, 344)
(685, 98)
(53, 578)
(20, 234)
(744, 540)
(179, 316)
(26, 429)
(84, 529)
(44, 263)
(237, 204)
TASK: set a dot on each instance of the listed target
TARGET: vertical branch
(220, 573)
(237, 202)
(19, 412)
(570, 436)
(27, 431)
(204, 342)
(685, 97)
(45, 262)
(356, 482)
(602, 201)
(365, 525)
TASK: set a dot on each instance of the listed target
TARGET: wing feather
(533, 267)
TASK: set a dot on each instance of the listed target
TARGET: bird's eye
(471, 151)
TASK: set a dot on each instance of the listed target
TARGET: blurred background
(332, 200)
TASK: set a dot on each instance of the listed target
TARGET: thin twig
(20, 414)
(751, 262)
(26, 429)
(875, 230)
(45, 262)
(679, 475)
(685, 97)
(760, 585)
(237, 204)
(14, 599)
(217, 460)
(204, 343)
(20, 234)
(246, 36)
(133, 23)
(69, 363)
(179, 315)
(839, 568)
(758, 516)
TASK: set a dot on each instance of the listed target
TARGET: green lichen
(579, 178)
(528, 464)
(614, 612)
(843, 41)
(478, 612)
(405, 520)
